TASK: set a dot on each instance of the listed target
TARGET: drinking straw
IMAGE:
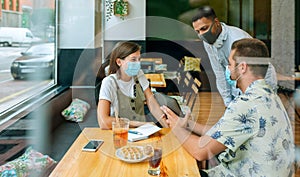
(117, 115)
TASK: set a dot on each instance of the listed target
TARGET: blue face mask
(228, 79)
(133, 68)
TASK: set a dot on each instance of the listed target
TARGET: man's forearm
(197, 128)
(191, 143)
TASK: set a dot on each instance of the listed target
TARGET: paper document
(142, 132)
(156, 82)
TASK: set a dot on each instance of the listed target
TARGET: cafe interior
(44, 134)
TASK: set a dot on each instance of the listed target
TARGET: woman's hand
(134, 124)
(173, 120)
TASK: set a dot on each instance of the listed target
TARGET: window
(28, 53)
(29, 35)
(253, 16)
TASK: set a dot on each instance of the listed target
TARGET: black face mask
(209, 37)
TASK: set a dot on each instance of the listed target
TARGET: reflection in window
(17, 5)
(253, 16)
(27, 50)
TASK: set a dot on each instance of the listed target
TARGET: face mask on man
(133, 68)
(228, 79)
(209, 37)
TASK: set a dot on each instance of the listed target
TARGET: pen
(135, 132)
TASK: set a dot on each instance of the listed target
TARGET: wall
(132, 28)
(283, 39)
(76, 24)
(80, 46)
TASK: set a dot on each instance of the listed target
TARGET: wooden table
(175, 161)
(156, 80)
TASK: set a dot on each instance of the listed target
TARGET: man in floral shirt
(254, 137)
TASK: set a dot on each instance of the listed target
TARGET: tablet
(170, 102)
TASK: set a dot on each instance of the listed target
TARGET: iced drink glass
(120, 132)
(155, 158)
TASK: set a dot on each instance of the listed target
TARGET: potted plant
(121, 8)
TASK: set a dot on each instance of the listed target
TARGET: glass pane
(27, 50)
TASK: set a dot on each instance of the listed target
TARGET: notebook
(142, 132)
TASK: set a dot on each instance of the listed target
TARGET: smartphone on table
(93, 145)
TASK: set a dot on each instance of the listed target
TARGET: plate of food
(131, 154)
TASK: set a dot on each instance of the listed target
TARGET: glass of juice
(155, 158)
(120, 132)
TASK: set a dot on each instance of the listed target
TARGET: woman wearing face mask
(126, 89)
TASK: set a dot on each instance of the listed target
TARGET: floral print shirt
(258, 135)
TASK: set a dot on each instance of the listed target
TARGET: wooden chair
(197, 82)
(193, 95)
(185, 86)
(189, 91)
(100, 76)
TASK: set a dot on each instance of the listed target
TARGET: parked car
(21, 36)
(35, 63)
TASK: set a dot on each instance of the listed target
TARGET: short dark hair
(204, 11)
(251, 47)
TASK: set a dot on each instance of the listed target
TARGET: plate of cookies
(131, 154)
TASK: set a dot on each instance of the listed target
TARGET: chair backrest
(186, 85)
(197, 82)
(193, 95)
(188, 88)
(100, 76)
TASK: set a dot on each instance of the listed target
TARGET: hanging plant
(118, 8)
(109, 9)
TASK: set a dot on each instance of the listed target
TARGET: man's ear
(219, 26)
(216, 19)
(244, 67)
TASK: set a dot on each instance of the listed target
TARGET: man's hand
(173, 120)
